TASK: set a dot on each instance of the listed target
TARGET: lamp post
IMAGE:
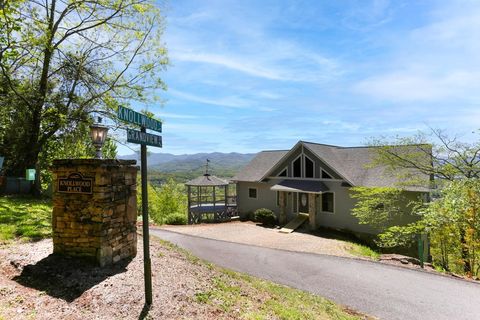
(98, 133)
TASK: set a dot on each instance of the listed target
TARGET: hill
(187, 166)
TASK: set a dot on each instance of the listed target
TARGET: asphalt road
(384, 291)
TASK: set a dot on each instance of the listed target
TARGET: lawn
(25, 218)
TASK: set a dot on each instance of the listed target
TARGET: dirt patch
(34, 284)
(252, 234)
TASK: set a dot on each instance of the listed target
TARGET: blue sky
(247, 76)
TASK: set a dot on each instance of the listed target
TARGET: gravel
(35, 284)
(253, 234)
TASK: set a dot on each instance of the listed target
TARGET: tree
(445, 160)
(451, 219)
(377, 207)
(63, 59)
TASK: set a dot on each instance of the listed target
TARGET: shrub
(176, 219)
(265, 216)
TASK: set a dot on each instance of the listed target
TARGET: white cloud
(230, 102)
(432, 63)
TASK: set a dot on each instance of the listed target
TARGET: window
(325, 175)
(252, 193)
(283, 173)
(327, 202)
(297, 168)
(278, 198)
(309, 168)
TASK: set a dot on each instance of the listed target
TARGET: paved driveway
(250, 233)
(384, 291)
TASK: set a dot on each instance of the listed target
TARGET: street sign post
(143, 138)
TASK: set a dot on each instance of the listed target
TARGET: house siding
(342, 217)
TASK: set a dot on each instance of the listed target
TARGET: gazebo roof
(207, 181)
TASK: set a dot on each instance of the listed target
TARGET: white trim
(283, 158)
(305, 157)
(321, 203)
(256, 193)
(333, 169)
(301, 166)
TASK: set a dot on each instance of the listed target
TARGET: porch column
(312, 211)
(282, 199)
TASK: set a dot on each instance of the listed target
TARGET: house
(315, 179)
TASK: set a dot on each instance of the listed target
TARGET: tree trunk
(467, 268)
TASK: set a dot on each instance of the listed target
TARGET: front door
(303, 202)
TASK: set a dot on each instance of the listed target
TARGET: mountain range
(221, 164)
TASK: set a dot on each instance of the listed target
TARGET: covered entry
(306, 191)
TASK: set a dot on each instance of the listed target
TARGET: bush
(265, 216)
(176, 219)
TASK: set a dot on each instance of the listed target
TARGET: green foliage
(167, 204)
(378, 206)
(363, 251)
(61, 61)
(25, 217)
(433, 154)
(265, 216)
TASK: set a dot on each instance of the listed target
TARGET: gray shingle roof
(207, 181)
(259, 166)
(352, 163)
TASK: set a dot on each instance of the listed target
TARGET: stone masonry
(98, 219)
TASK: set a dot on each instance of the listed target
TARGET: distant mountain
(221, 164)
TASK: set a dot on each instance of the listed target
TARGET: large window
(252, 193)
(327, 202)
(309, 171)
(297, 168)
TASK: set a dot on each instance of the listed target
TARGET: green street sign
(135, 136)
(30, 174)
(133, 117)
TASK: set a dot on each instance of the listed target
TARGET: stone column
(312, 212)
(282, 199)
(95, 209)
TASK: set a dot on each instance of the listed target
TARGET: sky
(247, 76)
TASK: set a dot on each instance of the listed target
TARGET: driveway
(384, 291)
(250, 233)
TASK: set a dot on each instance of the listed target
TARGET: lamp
(98, 133)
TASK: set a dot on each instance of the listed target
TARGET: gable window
(252, 193)
(283, 173)
(327, 202)
(325, 175)
(309, 165)
(297, 168)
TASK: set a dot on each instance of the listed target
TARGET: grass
(362, 251)
(26, 218)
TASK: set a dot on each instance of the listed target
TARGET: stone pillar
(312, 212)
(95, 209)
(282, 199)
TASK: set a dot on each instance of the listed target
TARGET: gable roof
(259, 165)
(353, 164)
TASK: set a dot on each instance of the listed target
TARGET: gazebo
(209, 200)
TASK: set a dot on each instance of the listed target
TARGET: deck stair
(300, 219)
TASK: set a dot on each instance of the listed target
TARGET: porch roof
(300, 186)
